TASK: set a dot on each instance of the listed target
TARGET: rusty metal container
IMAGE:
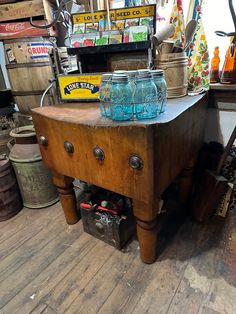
(10, 200)
(34, 179)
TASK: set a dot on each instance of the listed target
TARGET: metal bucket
(10, 200)
(33, 177)
(174, 66)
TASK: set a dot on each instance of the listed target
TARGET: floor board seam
(37, 275)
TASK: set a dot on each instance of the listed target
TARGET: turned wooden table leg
(186, 181)
(146, 230)
(67, 197)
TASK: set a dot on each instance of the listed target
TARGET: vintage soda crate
(25, 29)
(113, 229)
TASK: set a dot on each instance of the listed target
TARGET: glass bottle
(104, 95)
(160, 82)
(145, 97)
(121, 95)
(215, 62)
(228, 75)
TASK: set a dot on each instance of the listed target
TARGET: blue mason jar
(160, 82)
(132, 79)
(121, 96)
(145, 97)
(104, 95)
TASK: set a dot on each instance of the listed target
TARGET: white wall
(220, 124)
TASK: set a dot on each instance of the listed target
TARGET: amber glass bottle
(215, 62)
(228, 75)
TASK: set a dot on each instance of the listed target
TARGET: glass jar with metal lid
(104, 95)
(121, 96)
(160, 82)
(132, 79)
(145, 97)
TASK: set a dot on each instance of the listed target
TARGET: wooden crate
(25, 29)
(26, 9)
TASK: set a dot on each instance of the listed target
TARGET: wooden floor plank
(38, 309)
(37, 262)
(48, 267)
(97, 290)
(23, 234)
(25, 217)
(52, 276)
(222, 294)
(71, 287)
(201, 270)
(22, 254)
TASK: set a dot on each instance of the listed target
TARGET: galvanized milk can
(33, 177)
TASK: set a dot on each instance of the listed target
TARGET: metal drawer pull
(69, 148)
(43, 140)
(136, 162)
(98, 153)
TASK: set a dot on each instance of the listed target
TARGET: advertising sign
(80, 87)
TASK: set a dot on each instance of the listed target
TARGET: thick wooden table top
(89, 113)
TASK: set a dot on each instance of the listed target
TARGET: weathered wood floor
(49, 267)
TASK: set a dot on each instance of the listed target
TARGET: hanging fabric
(197, 52)
(177, 19)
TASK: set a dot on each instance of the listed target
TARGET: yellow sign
(118, 14)
(80, 87)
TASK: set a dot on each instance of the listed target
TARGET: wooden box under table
(112, 229)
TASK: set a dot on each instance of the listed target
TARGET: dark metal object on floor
(110, 220)
(10, 200)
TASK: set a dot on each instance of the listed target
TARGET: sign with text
(80, 87)
(116, 14)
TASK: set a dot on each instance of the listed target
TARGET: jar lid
(143, 70)
(157, 72)
(143, 74)
(106, 76)
(120, 72)
(132, 73)
(119, 78)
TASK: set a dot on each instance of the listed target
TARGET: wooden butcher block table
(138, 159)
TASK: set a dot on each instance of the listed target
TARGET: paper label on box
(39, 50)
(79, 86)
